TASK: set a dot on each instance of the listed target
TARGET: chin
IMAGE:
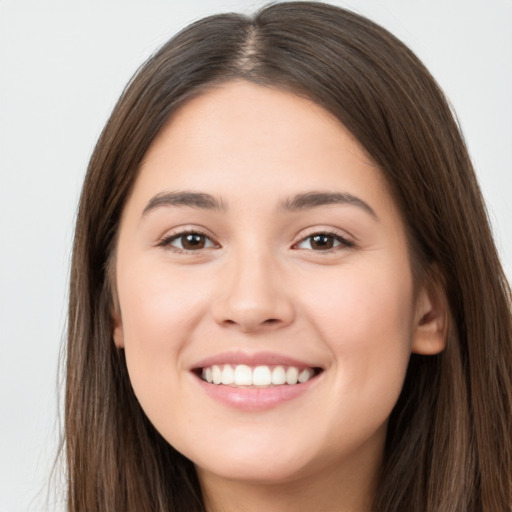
(264, 470)
(258, 460)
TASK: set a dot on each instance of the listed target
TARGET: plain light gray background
(62, 66)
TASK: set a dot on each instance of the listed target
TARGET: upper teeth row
(243, 375)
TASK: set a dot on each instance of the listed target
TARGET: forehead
(240, 140)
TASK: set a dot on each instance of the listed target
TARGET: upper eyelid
(195, 232)
(174, 236)
(344, 242)
(185, 230)
(331, 231)
(165, 242)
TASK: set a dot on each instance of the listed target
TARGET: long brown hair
(449, 444)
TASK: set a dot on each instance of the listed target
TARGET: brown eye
(188, 242)
(324, 242)
(193, 241)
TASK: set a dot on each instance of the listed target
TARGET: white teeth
(228, 375)
(292, 375)
(278, 376)
(243, 375)
(260, 376)
(216, 374)
(305, 375)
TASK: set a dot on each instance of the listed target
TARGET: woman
(284, 290)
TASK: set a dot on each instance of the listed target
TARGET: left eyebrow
(310, 200)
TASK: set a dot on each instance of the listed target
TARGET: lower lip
(255, 399)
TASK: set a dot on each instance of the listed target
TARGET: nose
(253, 297)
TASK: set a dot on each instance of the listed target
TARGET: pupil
(193, 241)
(322, 242)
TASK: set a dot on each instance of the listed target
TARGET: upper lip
(253, 359)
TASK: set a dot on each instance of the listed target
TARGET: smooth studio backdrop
(62, 67)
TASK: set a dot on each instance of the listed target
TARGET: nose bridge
(253, 296)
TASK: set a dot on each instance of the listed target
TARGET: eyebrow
(184, 198)
(310, 200)
(304, 201)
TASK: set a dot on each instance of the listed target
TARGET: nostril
(271, 321)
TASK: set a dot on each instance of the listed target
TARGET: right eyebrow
(184, 198)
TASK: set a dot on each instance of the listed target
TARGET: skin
(259, 283)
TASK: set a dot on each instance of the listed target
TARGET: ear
(431, 319)
(118, 333)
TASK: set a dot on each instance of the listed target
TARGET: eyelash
(343, 243)
(167, 241)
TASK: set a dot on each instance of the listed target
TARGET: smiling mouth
(262, 376)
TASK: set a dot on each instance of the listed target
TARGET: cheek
(160, 304)
(160, 311)
(361, 299)
(364, 316)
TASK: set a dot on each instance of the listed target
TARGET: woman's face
(261, 244)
